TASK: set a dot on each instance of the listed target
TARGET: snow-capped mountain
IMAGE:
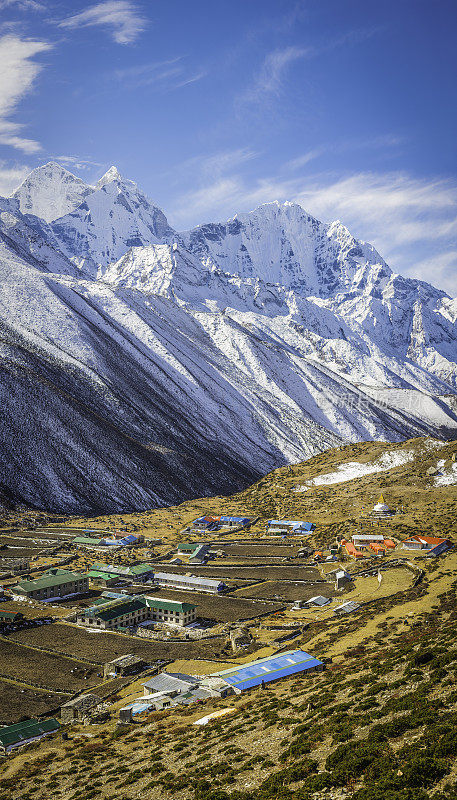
(142, 365)
(50, 192)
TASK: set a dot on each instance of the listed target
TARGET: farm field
(17, 701)
(35, 611)
(261, 550)
(49, 670)
(23, 551)
(255, 561)
(102, 647)
(223, 608)
(287, 591)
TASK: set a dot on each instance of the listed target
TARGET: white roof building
(190, 582)
(319, 600)
(347, 607)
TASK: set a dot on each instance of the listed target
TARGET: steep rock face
(141, 366)
(396, 318)
(282, 244)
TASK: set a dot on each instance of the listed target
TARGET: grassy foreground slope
(379, 724)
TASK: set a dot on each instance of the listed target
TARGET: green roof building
(188, 547)
(10, 616)
(138, 573)
(88, 541)
(21, 733)
(57, 583)
(133, 611)
(101, 578)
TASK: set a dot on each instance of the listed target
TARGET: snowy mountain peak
(112, 174)
(50, 192)
(100, 223)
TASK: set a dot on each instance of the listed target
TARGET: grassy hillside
(334, 507)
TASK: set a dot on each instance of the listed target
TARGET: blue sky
(346, 106)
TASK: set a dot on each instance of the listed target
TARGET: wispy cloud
(303, 160)
(22, 5)
(204, 168)
(122, 18)
(269, 81)
(11, 177)
(161, 75)
(397, 208)
(411, 221)
(18, 73)
(439, 269)
(386, 142)
(225, 195)
(76, 162)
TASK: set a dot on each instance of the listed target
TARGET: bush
(279, 780)
(423, 771)
(379, 793)
(350, 761)
(423, 657)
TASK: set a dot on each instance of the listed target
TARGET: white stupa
(381, 509)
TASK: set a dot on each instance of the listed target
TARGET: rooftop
(88, 540)
(171, 682)
(346, 608)
(319, 600)
(118, 608)
(187, 578)
(126, 661)
(23, 731)
(47, 581)
(168, 605)
(82, 701)
(267, 669)
(431, 540)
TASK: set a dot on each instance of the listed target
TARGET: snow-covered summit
(112, 174)
(112, 217)
(282, 244)
(51, 191)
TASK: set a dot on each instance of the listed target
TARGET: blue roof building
(270, 669)
(235, 521)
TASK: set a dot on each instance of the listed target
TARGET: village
(212, 609)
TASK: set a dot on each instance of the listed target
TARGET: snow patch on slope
(448, 478)
(353, 469)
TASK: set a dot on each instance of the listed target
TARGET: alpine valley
(141, 366)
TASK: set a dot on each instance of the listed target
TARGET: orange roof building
(434, 545)
(352, 551)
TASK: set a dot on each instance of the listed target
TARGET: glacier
(143, 365)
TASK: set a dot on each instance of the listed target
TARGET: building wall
(69, 587)
(179, 582)
(132, 619)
